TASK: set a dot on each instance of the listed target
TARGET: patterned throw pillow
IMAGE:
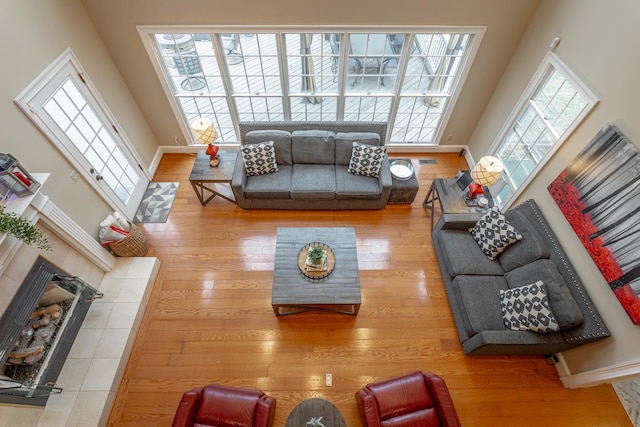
(259, 158)
(366, 159)
(494, 233)
(526, 308)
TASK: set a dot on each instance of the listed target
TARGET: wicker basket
(135, 244)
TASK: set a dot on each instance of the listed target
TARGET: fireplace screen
(37, 331)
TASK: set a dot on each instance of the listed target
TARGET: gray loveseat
(473, 282)
(312, 160)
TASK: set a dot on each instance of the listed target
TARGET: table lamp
(205, 133)
(486, 172)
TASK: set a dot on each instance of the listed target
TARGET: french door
(68, 109)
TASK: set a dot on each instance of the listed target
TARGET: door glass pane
(84, 129)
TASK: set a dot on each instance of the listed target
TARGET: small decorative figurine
(212, 152)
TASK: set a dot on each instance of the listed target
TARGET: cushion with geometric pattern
(494, 233)
(259, 158)
(526, 308)
(366, 159)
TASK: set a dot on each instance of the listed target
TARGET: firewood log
(42, 311)
(36, 349)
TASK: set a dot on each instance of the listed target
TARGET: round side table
(315, 409)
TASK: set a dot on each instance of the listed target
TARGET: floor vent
(428, 161)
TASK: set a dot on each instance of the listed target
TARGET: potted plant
(315, 257)
(23, 230)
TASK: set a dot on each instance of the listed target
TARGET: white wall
(599, 42)
(32, 34)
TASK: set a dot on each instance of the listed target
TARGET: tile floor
(91, 375)
(629, 393)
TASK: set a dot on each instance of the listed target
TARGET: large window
(553, 105)
(409, 79)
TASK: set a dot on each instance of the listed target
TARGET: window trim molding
(550, 60)
(146, 33)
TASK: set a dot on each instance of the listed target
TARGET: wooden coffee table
(294, 293)
(315, 409)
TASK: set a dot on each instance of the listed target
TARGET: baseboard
(595, 377)
(403, 148)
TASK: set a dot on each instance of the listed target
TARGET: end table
(451, 199)
(202, 174)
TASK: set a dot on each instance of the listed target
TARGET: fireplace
(37, 331)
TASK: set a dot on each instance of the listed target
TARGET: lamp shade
(487, 171)
(203, 130)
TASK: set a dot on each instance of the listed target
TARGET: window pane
(417, 119)
(299, 76)
(373, 60)
(367, 108)
(550, 110)
(314, 108)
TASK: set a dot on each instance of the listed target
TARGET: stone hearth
(94, 368)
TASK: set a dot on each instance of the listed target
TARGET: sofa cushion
(345, 140)
(281, 142)
(259, 158)
(462, 255)
(274, 185)
(494, 233)
(561, 302)
(313, 182)
(526, 308)
(350, 186)
(527, 250)
(313, 147)
(366, 160)
(479, 299)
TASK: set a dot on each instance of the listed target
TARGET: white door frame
(24, 99)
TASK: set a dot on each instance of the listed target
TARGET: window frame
(147, 33)
(549, 63)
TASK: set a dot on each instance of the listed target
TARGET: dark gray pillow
(281, 142)
(527, 250)
(562, 303)
(345, 140)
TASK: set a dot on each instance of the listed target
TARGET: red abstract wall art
(599, 194)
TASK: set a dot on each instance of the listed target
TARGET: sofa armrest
(265, 411)
(444, 403)
(239, 180)
(368, 408)
(385, 178)
(515, 342)
(186, 411)
(451, 221)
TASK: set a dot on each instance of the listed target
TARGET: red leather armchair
(224, 406)
(416, 399)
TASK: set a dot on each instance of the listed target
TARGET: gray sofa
(312, 171)
(473, 282)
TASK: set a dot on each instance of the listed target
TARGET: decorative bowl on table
(401, 169)
(316, 268)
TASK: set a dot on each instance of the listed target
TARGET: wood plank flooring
(209, 320)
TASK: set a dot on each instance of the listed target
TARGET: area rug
(156, 202)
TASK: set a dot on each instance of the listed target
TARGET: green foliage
(23, 230)
(316, 253)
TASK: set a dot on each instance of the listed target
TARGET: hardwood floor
(209, 320)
